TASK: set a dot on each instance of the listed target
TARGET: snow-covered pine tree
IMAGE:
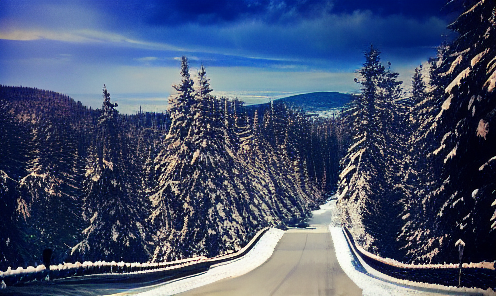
(261, 183)
(332, 154)
(167, 207)
(325, 154)
(392, 121)
(464, 150)
(180, 104)
(419, 89)
(288, 179)
(298, 146)
(420, 171)
(366, 178)
(46, 146)
(200, 205)
(359, 165)
(271, 177)
(115, 228)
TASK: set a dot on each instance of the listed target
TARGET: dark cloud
(332, 41)
(417, 9)
(329, 30)
(211, 12)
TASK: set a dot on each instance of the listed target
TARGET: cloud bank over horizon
(267, 45)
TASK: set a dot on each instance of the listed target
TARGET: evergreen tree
(49, 192)
(214, 179)
(420, 171)
(370, 164)
(463, 151)
(115, 228)
(272, 176)
(220, 182)
(198, 207)
(180, 104)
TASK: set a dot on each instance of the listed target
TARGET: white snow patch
(487, 163)
(459, 53)
(370, 286)
(451, 154)
(262, 251)
(491, 65)
(439, 149)
(478, 57)
(471, 102)
(374, 283)
(457, 62)
(195, 156)
(491, 82)
(348, 169)
(483, 129)
(447, 103)
(457, 81)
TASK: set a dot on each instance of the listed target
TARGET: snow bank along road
(303, 263)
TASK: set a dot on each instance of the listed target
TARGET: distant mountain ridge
(315, 102)
(318, 101)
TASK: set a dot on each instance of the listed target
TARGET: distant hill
(318, 103)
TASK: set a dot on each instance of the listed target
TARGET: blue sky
(253, 49)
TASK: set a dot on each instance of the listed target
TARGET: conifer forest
(413, 171)
(198, 179)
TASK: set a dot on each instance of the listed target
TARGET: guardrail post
(461, 245)
(47, 258)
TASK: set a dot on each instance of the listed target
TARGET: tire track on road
(288, 275)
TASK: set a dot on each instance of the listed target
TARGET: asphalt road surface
(303, 263)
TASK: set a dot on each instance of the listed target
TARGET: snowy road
(304, 263)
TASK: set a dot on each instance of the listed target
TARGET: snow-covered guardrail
(67, 270)
(479, 275)
(172, 270)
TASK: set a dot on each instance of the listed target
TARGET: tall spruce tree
(200, 204)
(420, 172)
(180, 104)
(167, 206)
(115, 228)
(368, 167)
(465, 105)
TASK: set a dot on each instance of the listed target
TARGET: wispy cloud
(147, 59)
(84, 36)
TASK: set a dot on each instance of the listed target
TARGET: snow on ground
(374, 283)
(260, 253)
